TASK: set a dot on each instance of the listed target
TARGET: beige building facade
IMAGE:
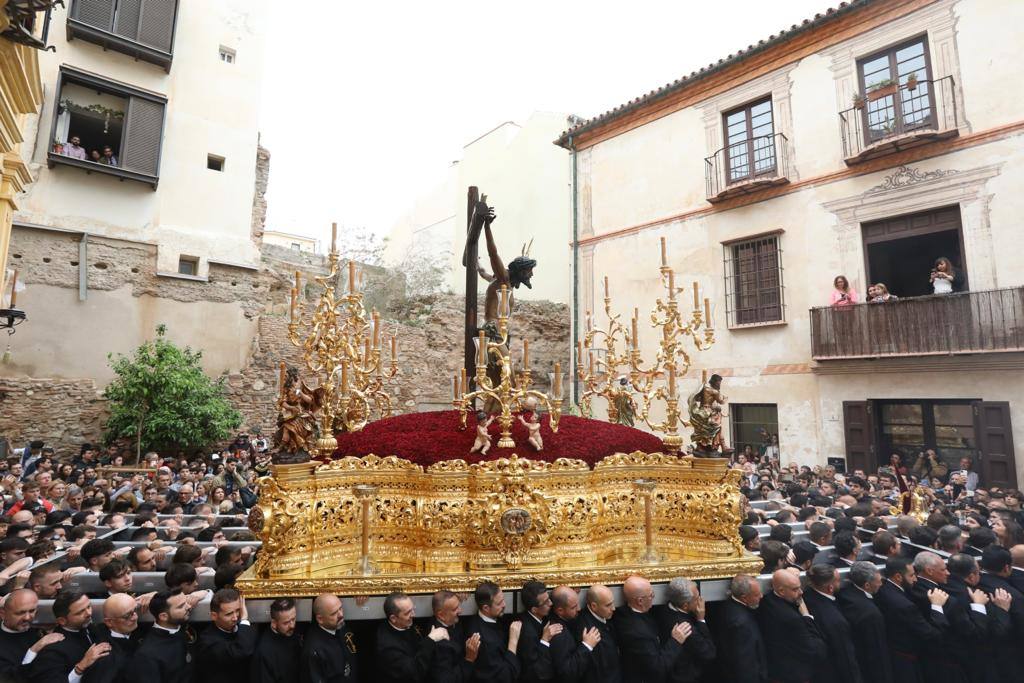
(868, 142)
(147, 207)
(300, 243)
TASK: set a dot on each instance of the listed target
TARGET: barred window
(753, 281)
(753, 424)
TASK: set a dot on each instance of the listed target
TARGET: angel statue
(706, 415)
(297, 418)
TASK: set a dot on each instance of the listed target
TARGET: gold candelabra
(506, 394)
(672, 358)
(341, 347)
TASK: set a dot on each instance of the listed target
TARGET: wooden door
(995, 444)
(860, 436)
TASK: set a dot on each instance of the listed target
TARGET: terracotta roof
(808, 24)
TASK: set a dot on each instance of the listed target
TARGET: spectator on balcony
(843, 294)
(108, 158)
(879, 294)
(945, 278)
(73, 148)
(95, 156)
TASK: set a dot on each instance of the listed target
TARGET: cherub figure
(533, 427)
(483, 438)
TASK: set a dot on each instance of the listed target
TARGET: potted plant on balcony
(912, 82)
(859, 101)
(882, 89)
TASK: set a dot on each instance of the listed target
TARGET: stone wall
(63, 413)
(259, 195)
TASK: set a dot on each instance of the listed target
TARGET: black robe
(606, 661)
(163, 657)
(13, 647)
(55, 662)
(450, 665)
(645, 659)
(276, 659)
(328, 658)
(792, 642)
(741, 652)
(941, 664)
(867, 627)
(840, 666)
(222, 657)
(534, 657)
(402, 656)
(1008, 656)
(697, 653)
(494, 663)
(912, 635)
(114, 667)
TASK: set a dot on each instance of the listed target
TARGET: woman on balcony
(843, 294)
(945, 278)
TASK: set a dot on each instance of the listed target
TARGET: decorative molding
(905, 176)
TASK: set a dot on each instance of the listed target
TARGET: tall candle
(593, 365)
(605, 286)
(635, 337)
(590, 323)
(671, 285)
(14, 289)
(298, 283)
(664, 254)
(707, 312)
(293, 304)
(672, 381)
(481, 351)
(376, 329)
(526, 354)
(557, 388)
(503, 311)
(334, 237)
(344, 377)
(455, 387)
(696, 296)
(351, 277)
(463, 384)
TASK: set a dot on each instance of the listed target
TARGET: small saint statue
(533, 427)
(298, 404)
(483, 437)
(706, 418)
(622, 402)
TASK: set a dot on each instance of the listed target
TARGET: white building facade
(868, 142)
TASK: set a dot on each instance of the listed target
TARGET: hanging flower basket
(883, 89)
(912, 82)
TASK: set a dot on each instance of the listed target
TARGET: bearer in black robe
(911, 635)
(867, 624)
(684, 604)
(19, 642)
(535, 637)
(225, 647)
(329, 652)
(840, 666)
(119, 629)
(76, 652)
(403, 655)
(594, 632)
(741, 653)
(163, 656)
(276, 659)
(793, 643)
(645, 659)
(496, 662)
(454, 656)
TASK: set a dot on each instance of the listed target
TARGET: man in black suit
(496, 662)
(276, 659)
(119, 629)
(988, 617)
(580, 652)
(76, 652)
(912, 635)
(645, 659)
(402, 653)
(867, 624)
(225, 647)
(685, 605)
(943, 664)
(792, 641)
(741, 653)
(163, 656)
(840, 665)
(996, 563)
(535, 636)
(455, 655)
(19, 642)
(847, 549)
(329, 652)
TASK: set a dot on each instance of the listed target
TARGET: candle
(455, 387)
(463, 384)
(344, 377)
(589, 322)
(635, 338)
(664, 254)
(481, 350)
(14, 289)
(334, 237)
(605, 286)
(503, 311)
(696, 296)
(672, 381)
(557, 388)
(376, 329)
(293, 304)
(593, 366)
(351, 277)
(671, 285)
(707, 312)
(366, 350)
(526, 354)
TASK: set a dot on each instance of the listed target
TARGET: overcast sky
(366, 106)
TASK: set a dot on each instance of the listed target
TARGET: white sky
(365, 104)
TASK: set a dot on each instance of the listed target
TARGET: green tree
(162, 399)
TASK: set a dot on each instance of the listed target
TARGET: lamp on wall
(11, 316)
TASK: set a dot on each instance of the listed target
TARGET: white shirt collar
(674, 608)
(487, 618)
(332, 631)
(169, 630)
(603, 621)
(539, 621)
(899, 587)
(400, 630)
(870, 596)
(8, 630)
(115, 634)
(740, 602)
(830, 597)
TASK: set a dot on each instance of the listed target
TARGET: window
(143, 29)
(188, 265)
(753, 424)
(107, 127)
(749, 141)
(947, 426)
(893, 107)
(214, 162)
(753, 281)
(296, 246)
(227, 55)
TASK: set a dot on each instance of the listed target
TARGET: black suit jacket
(867, 627)
(741, 652)
(697, 653)
(534, 657)
(1007, 654)
(494, 663)
(55, 662)
(942, 663)
(841, 663)
(450, 665)
(276, 659)
(645, 659)
(328, 658)
(13, 647)
(222, 657)
(403, 656)
(163, 657)
(114, 667)
(792, 642)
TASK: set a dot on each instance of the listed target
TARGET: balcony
(143, 31)
(747, 166)
(969, 322)
(897, 116)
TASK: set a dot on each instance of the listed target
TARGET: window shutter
(143, 132)
(126, 23)
(156, 29)
(98, 13)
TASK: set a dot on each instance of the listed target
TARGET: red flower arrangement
(427, 438)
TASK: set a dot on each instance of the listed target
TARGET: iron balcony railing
(967, 322)
(897, 116)
(747, 166)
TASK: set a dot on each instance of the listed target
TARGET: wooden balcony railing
(968, 322)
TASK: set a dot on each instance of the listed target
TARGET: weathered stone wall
(259, 195)
(63, 413)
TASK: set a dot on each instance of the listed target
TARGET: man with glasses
(119, 631)
(644, 656)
